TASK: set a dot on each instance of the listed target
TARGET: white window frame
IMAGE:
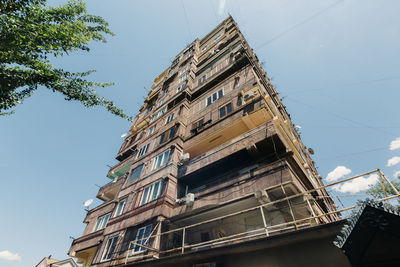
(143, 150)
(184, 77)
(101, 222)
(151, 192)
(161, 158)
(169, 118)
(120, 209)
(217, 96)
(110, 242)
(151, 130)
(136, 248)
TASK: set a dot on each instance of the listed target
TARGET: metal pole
(290, 206)
(389, 182)
(183, 239)
(383, 186)
(312, 210)
(265, 223)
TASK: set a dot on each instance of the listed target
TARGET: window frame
(119, 211)
(135, 171)
(169, 118)
(161, 158)
(197, 125)
(225, 107)
(136, 248)
(205, 78)
(218, 95)
(103, 223)
(151, 131)
(140, 154)
(149, 194)
(109, 245)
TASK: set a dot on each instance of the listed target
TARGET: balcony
(239, 125)
(109, 191)
(84, 248)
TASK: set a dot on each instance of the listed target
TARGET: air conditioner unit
(184, 157)
(190, 199)
(248, 96)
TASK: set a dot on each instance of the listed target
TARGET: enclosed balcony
(109, 191)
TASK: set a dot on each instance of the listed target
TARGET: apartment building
(212, 168)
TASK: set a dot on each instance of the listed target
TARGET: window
(148, 110)
(214, 97)
(217, 38)
(151, 131)
(151, 192)
(142, 238)
(135, 174)
(160, 103)
(184, 77)
(168, 135)
(120, 207)
(204, 49)
(169, 118)
(203, 79)
(102, 222)
(198, 124)
(163, 92)
(181, 87)
(160, 160)
(225, 110)
(236, 82)
(159, 113)
(109, 248)
(143, 150)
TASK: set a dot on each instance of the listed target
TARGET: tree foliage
(30, 32)
(377, 190)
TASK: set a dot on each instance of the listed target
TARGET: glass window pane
(220, 93)
(166, 157)
(145, 194)
(222, 112)
(229, 108)
(214, 96)
(209, 101)
(155, 191)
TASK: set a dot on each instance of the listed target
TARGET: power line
(355, 153)
(342, 117)
(187, 22)
(349, 84)
(279, 35)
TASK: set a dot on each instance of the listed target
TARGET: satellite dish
(88, 202)
(298, 127)
(124, 135)
(311, 151)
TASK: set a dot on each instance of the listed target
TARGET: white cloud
(337, 173)
(396, 174)
(357, 185)
(395, 144)
(393, 161)
(7, 255)
(221, 7)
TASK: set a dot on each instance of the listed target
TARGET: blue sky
(335, 63)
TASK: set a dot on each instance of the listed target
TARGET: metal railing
(265, 228)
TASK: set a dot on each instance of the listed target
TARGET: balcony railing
(263, 229)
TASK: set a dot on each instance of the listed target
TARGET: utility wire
(356, 153)
(187, 22)
(342, 117)
(279, 35)
(348, 85)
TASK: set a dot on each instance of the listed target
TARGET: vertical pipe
(183, 240)
(265, 223)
